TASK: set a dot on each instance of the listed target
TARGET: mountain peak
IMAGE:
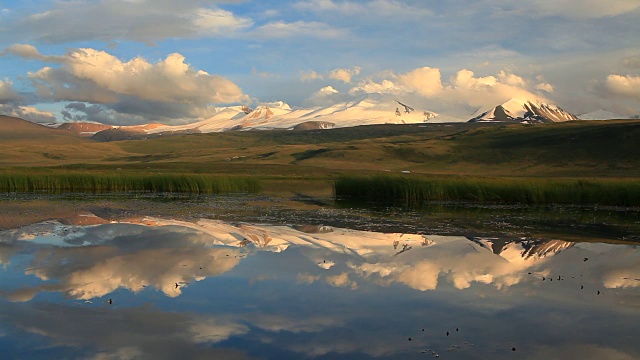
(525, 111)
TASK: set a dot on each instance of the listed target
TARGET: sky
(178, 61)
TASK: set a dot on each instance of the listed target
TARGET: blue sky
(134, 61)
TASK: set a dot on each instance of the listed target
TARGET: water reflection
(84, 287)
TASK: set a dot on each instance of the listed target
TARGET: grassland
(574, 151)
(419, 191)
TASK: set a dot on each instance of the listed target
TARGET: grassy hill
(572, 149)
(23, 143)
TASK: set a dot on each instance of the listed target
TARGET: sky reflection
(156, 288)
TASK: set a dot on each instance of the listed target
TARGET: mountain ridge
(519, 110)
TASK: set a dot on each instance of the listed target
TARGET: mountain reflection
(160, 289)
(85, 257)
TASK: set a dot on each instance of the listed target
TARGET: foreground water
(313, 284)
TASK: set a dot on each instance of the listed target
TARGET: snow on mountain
(368, 110)
(601, 114)
(523, 251)
(524, 111)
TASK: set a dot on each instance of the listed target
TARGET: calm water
(151, 287)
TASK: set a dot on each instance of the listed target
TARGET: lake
(300, 276)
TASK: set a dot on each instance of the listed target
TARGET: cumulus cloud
(327, 91)
(425, 81)
(142, 20)
(628, 86)
(7, 93)
(28, 113)
(463, 89)
(11, 105)
(344, 75)
(132, 91)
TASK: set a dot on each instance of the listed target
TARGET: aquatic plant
(87, 182)
(412, 190)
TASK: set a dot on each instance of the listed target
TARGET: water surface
(162, 287)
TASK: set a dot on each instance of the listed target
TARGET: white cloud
(130, 91)
(387, 8)
(215, 22)
(144, 20)
(282, 29)
(463, 89)
(326, 96)
(511, 79)
(329, 5)
(310, 75)
(584, 8)
(425, 81)
(10, 105)
(344, 75)
(628, 86)
(7, 93)
(392, 7)
(327, 90)
(28, 113)
(370, 86)
(545, 87)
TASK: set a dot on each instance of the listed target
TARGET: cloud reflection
(86, 262)
(363, 304)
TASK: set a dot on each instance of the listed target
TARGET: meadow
(595, 162)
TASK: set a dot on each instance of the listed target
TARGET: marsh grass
(86, 182)
(415, 191)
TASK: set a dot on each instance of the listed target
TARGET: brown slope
(23, 143)
(12, 128)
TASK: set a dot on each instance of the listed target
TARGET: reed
(87, 182)
(416, 191)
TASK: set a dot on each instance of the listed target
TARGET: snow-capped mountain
(601, 114)
(524, 111)
(526, 249)
(370, 109)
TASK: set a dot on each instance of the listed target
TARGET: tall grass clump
(84, 182)
(416, 191)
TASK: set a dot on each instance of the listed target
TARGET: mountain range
(525, 111)
(370, 109)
